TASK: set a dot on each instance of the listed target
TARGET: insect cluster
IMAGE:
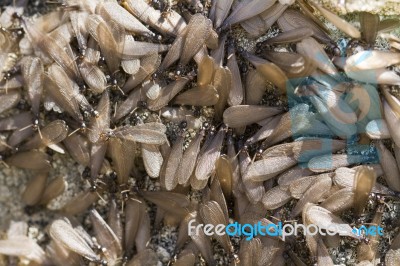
(142, 88)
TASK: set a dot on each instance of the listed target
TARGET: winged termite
(9, 83)
(53, 189)
(242, 115)
(392, 100)
(198, 96)
(110, 37)
(366, 60)
(167, 94)
(270, 72)
(78, 24)
(369, 26)
(24, 248)
(131, 66)
(236, 94)
(338, 108)
(219, 53)
(122, 153)
(250, 251)
(100, 124)
(331, 162)
(9, 100)
(152, 159)
(224, 175)
(175, 156)
(387, 25)
(223, 83)
(61, 89)
(268, 168)
(34, 189)
(300, 185)
(205, 71)
(290, 36)
(374, 76)
(63, 232)
(258, 25)
(143, 133)
(78, 147)
(127, 106)
(209, 155)
(175, 203)
(211, 213)
(152, 89)
(80, 203)
(323, 255)
(106, 238)
(97, 154)
(189, 158)
(111, 10)
(20, 134)
(293, 19)
(339, 201)
(324, 219)
(389, 166)
(265, 131)
(197, 32)
(275, 198)
(365, 178)
(148, 65)
(173, 24)
(134, 210)
(313, 193)
(115, 222)
(32, 71)
(146, 256)
(255, 87)
(312, 50)
(340, 23)
(53, 133)
(33, 160)
(219, 11)
(345, 177)
(368, 251)
(52, 48)
(175, 51)
(134, 49)
(286, 178)
(340, 128)
(293, 64)
(245, 10)
(91, 73)
(393, 120)
(16, 121)
(203, 244)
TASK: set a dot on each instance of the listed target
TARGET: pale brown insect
(62, 231)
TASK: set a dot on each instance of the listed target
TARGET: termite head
(142, 104)
(86, 173)
(243, 67)
(93, 187)
(35, 124)
(259, 153)
(197, 112)
(183, 124)
(206, 126)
